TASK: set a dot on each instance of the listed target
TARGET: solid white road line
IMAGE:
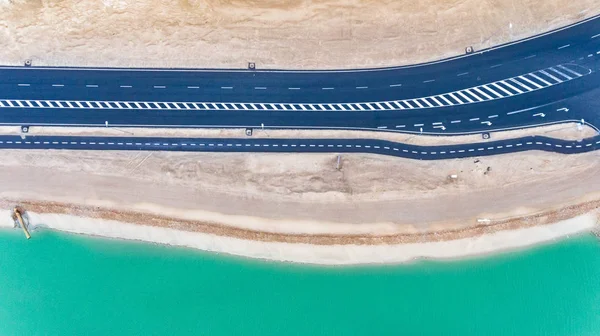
(531, 82)
(551, 76)
(417, 102)
(502, 89)
(451, 94)
(464, 96)
(483, 93)
(492, 91)
(514, 80)
(446, 100)
(571, 71)
(436, 101)
(427, 102)
(540, 79)
(560, 73)
(473, 94)
(510, 86)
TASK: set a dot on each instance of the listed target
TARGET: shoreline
(373, 251)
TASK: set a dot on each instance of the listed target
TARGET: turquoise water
(60, 284)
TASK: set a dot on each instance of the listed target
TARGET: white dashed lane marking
(505, 88)
(175, 146)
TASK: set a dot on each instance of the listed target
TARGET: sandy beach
(346, 254)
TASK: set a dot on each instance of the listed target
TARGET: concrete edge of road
(307, 128)
(408, 66)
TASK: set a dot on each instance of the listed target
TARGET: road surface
(548, 78)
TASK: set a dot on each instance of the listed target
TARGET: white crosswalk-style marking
(504, 88)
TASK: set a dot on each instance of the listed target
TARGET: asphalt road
(300, 145)
(549, 78)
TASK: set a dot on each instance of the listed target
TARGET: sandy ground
(299, 207)
(305, 193)
(309, 253)
(272, 33)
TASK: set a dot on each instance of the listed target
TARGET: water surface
(61, 284)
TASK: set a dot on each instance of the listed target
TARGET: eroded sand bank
(309, 253)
